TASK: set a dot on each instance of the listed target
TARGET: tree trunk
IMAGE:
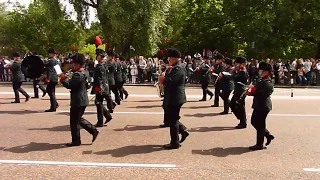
(318, 50)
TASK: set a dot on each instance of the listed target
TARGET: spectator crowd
(145, 70)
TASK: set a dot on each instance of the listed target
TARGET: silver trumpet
(8, 63)
(245, 92)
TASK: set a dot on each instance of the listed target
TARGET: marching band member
(79, 85)
(111, 77)
(238, 106)
(124, 70)
(118, 77)
(262, 105)
(101, 87)
(52, 79)
(17, 78)
(205, 78)
(226, 84)
(174, 98)
(218, 68)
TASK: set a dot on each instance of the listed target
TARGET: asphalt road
(214, 149)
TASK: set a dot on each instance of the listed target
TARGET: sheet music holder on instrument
(58, 70)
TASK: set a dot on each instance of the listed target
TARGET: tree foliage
(36, 29)
(256, 29)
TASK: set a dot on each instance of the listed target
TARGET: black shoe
(126, 96)
(27, 99)
(269, 139)
(98, 125)
(44, 93)
(95, 135)
(184, 135)
(164, 125)
(211, 96)
(72, 144)
(202, 100)
(256, 147)
(15, 102)
(50, 110)
(107, 121)
(240, 126)
(215, 105)
(224, 113)
(57, 106)
(172, 146)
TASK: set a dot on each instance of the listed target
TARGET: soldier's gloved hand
(97, 89)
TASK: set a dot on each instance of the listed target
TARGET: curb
(188, 85)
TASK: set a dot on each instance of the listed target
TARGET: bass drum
(32, 67)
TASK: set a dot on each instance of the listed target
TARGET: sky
(69, 8)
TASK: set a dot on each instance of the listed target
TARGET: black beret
(218, 56)
(205, 57)
(228, 61)
(122, 58)
(100, 52)
(110, 53)
(78, 59)
(172, 52)
(265, 66)
(241, 60)
(51, 50)
(16, 54)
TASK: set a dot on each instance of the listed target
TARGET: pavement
(129, 147)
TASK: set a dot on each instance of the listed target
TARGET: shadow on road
(137, 128)
(209, 129)
(128, 150)
(222, 152)
(203, 115)
(33, 146)
(143, 101)
(146, 107)
(57, 128)
(20, 112)
(196, 107)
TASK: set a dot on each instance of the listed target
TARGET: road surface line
(312, 169)
(278, 97)
(152, 113)
(161, 113)
(293, 115)
(86, 164)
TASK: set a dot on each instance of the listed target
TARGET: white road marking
(312, 169)
(152, 113)
(86, 164)
(161, 113)
(293, 115)
(278, 97)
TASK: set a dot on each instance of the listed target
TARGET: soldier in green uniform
(124, 70)
(17, 78)
(78, 85)
(112, 68)
(237, 105)
(262, 105)
(101, 87)
(52, 79)
(118, 76)
(204, 69)
(226, 85)
(218, 68)
(174, 98)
